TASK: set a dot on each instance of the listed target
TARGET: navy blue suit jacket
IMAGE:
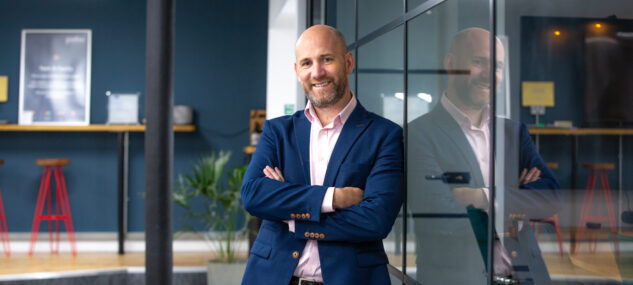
(451, 240)
(368, 155)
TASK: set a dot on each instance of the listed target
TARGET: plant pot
(221, 273)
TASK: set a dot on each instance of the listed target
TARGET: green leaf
(222, 204)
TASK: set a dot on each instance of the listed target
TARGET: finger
(537, 173)
(522, 176)
(274, 174)
(270, 173)
(280, 174)
(534, 170)
(531, 174)
(267, 173)
(537, 176)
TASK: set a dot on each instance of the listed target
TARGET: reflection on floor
(603, 266)
(97, 268)
(20, 263)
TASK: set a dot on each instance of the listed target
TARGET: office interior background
(223, 70)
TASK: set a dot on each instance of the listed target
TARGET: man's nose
(485, 70)
(317, 70)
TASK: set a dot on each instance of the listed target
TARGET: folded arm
(275, 200)
(373, 217)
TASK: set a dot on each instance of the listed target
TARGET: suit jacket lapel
(355, 125)
(302, 136)
(449, 126)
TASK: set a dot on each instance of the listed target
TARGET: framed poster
(55, 77)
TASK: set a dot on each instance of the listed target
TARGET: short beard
(463, 93)
(329, 100)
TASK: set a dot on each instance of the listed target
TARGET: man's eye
(328, 59)
(305, 63)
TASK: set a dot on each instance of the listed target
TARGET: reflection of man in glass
(451, 218)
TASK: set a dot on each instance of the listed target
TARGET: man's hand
(529, 176)
(474, 197)
(346, 197)
(274, 174)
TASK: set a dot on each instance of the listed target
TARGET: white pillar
(286, 21)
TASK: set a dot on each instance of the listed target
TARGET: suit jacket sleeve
(274, 200)
(539, 199)
(373, 218)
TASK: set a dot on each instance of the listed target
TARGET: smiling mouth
(322, 84)
(482, 86)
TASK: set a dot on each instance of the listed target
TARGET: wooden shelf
(579, 131)
(88, 128)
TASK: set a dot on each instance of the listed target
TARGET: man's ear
(296, 71)
(449, 63)
(349, 62)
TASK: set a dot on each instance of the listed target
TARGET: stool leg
(610, 211)
(585, 207)
(4, 235)
(57, 221)
(560, 240)
(39, 207)
(537, 227)
(58, 200)
(49, 201)
(66, 212)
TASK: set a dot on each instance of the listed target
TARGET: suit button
(307, 215)
(321, 236)
(292, 216)
(307, 234)
(303, 216)
(295, 254)
(312, 235)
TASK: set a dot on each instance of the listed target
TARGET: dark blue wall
(220, 71)
(562, 60)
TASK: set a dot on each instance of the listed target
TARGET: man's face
(322, 67)
(474, 89)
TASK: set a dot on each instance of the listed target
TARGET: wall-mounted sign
(55, 77)
(538, 93)
(4, 88)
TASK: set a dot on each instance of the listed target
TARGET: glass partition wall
(502, 152)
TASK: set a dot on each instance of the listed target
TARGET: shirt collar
(459, 116)
(340, 117)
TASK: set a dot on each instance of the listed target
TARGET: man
(451, 221)
(327, 181)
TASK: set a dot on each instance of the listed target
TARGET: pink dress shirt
(322, 142)
(479, 140)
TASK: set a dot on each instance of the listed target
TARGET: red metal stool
(4, 233)
(551, 220)
(62, 207)
(592, 218)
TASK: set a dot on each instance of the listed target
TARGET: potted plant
(221, 219)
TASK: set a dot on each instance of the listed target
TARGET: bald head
(324, 34)
(467, 39)
(322, 65)
(470, 55)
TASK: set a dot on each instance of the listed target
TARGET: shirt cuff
(487, 195)
(328, 199)
(291, 225)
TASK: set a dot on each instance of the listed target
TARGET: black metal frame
(405, 132)
(493, 139)
(159, 141)
(403, 21)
